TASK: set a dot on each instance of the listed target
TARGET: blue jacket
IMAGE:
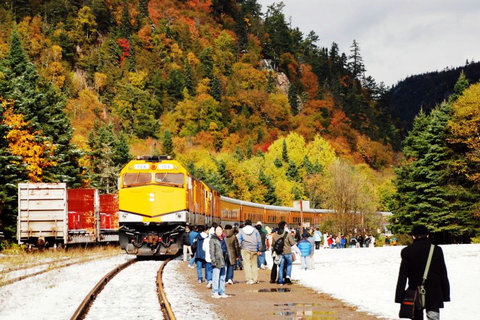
(192, 235)
(305, 247)
(200, 253)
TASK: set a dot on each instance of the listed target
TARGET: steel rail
(162, 297)
(53, 267)
(82, 310)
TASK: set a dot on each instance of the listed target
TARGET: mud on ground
(272, 301)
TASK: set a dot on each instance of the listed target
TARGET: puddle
(306, 314)
(296, 304)
(274, 290)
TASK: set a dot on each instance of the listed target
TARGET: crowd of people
(216, 251)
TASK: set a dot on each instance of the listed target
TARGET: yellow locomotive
(158, 198)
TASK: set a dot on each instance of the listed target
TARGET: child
(305, 248)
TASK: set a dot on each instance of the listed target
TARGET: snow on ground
(55, 294)
(367, 277)
(182, 295)
(131, 294)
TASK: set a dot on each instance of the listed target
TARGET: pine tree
(216, 89)
(126, 26)
(121, 151)
(43, 107)
(427, 191)
(292, 171)
(238, 153)
(189, 79)
(167, 144)
(293, 98)
(460, 86)
(249, 149)
(104, 171)
(270, 197)
(355, 65)
(285, 152)
(143, 8)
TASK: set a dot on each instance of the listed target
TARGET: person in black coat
(412, 267)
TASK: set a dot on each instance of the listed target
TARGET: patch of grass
(16, 257)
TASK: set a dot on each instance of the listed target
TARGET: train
(158, 197)
(51, 215)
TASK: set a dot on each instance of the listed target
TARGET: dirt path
(271, 301)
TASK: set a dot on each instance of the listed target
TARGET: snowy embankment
(367, 278)
(55, 294)
(182, 296)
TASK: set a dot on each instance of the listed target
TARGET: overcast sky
(397, 38)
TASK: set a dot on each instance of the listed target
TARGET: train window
(174, 179)
(136, 179)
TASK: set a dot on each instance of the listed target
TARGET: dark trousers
(317, 245)
(274, 272)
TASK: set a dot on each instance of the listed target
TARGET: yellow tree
(33, 149)
(465, 132)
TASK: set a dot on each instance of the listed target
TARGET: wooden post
(301, 218)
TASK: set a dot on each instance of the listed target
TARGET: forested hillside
(424, 91)
(248, 103)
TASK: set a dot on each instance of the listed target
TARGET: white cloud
(397, 38)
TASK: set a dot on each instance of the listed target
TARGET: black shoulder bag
(414, 299)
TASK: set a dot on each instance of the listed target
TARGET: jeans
(261, 260)
(218, 280)
(286, 259)
(304, 262)
(317, 245)
(230, 269)
(208, 270)
(192, 261)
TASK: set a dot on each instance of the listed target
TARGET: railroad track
(87, 304)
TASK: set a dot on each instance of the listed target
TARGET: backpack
(278, 246)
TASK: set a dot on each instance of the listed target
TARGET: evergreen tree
(293, 98)
(143, 8)
(104, 171)
(216, 89)
(121, 151)
(167, 144)
(126, 28)
(226, 181)
(249, 149)
(308, 165)
(43, 107)
(238, 153)
(206, 59)
(427, 192)
(285, 152)
(460, 86)
(355, 64)
(270, 197)
(277, 162)
(189, 84)
(292, 171)
(270, 83)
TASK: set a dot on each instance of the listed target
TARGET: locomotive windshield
(136, 179)
(174, 179)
